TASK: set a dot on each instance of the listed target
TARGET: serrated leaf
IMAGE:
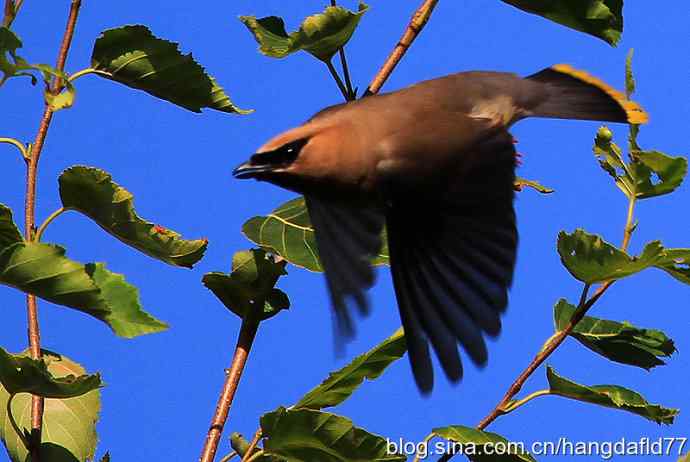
(9, 233)
(287, 231)
(92, 192)
(321, 34)
(21, 374)
(600, 18)
(305, 435)
(619, 342)
(341, 384)
(523, 182)
(44, 271)
(472, 442)
(590, 259)
(677, 264)
(133, 56)
(69, 425)
(612, 396)
(656, 173)
(249, 289)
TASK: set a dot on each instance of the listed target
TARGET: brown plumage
(435, 164)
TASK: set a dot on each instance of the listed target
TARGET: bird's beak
(250, 170)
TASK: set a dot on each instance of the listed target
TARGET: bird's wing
(452, 257)
(348, 237)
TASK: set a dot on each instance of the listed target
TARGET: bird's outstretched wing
(452, 258)
(348, 237)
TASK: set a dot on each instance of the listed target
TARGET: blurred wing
(348, 238)
(452, 259)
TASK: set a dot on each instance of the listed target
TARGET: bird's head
(299, 159)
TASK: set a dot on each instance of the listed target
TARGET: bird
(433, 167)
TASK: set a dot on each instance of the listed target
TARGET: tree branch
(417, 23)
(30, 221)
(232, 380)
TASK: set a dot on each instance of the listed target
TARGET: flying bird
(435, 164)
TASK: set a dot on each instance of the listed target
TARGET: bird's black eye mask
(283, 156)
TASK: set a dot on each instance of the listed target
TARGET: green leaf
(321, 34)
(305, 435)
(9, 233)
(133, 56)
(21, 374)
(341, 384)
(92, 192)
(12, 65)
(685, 458)
(600, 18)
(472, 442)
(62, 100)
(44, 271)
(619, 342)
(522, 182)
(249, 289)
(612, 396)
(69, 425)
(656, 173)
(287, 231)
(677, 264)
(9, 44)
(590, 259)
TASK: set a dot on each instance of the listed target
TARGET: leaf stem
(229, 457)
(346, 74)
(256, 456)
(49, 220)
(15, 426)
(338, 80)
(18, 144)
(629, 223)
(30, 221)
(252, 446)
(244, 344)
(84, 72)
(351, 96)
(417, 23)
(520, 402)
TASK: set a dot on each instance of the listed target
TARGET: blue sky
(161, 389)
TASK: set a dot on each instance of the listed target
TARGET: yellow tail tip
(636, 115)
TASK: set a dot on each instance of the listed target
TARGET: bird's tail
(574, 94)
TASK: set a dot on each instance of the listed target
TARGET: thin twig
(30, 221)
(252, 446)
(232, 379)
(338, 80)
(417, 23)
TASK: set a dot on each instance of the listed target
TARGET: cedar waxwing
(435, 164)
